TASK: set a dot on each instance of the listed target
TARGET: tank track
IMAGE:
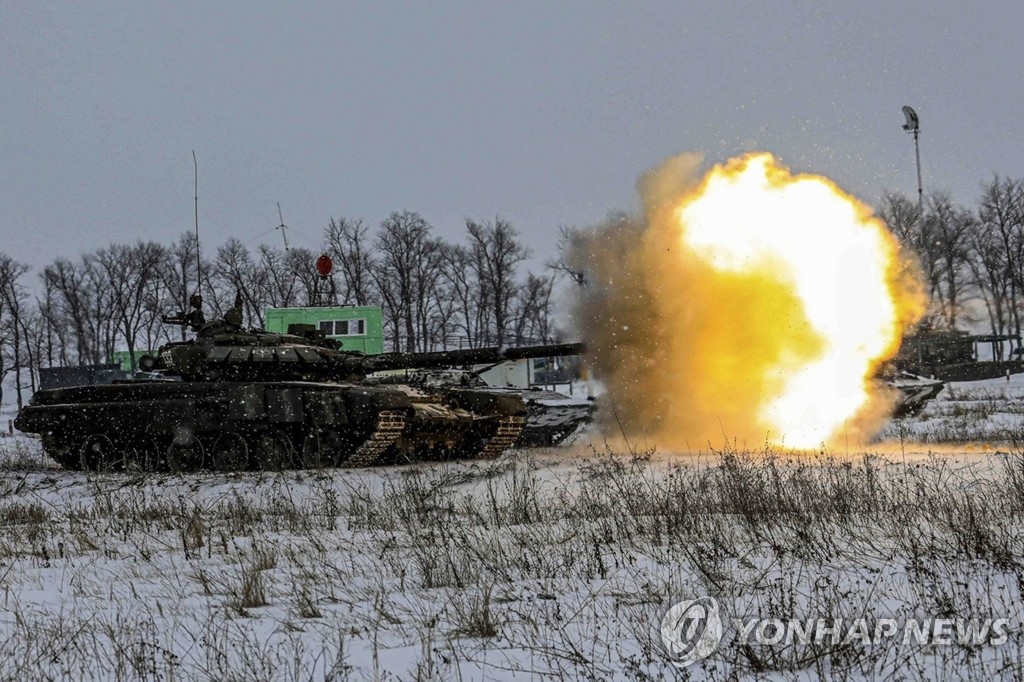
(504, 437)
(390, 424)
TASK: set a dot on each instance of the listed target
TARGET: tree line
(437, 294)
(434, 294)
(971, 258)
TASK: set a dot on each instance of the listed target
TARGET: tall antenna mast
(282, 226)
(199, 262)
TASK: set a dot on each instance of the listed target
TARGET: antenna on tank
(193, 318)
(199, 262)
(282, 226)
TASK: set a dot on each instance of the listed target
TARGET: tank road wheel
(273, 450)
(97, 453)
(181, 457)
(230, 453)
(142, 455)
(389, 427)
(323, 447)
(506, 433)
(62, 450)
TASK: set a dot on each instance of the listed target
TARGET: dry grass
(552, 566)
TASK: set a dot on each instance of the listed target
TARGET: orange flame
(771, 301)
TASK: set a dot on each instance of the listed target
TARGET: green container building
(124, 359)
(358, 328)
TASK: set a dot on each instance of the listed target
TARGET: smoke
(693, 353)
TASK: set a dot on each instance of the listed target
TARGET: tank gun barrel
(465, 356)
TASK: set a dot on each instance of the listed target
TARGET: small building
(358, 328)
(513, 373)
(532, 372)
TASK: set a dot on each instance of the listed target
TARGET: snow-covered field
(555, 563)
(980, 413)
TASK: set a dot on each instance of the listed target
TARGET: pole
(913, 125)
(199, 260)
(920, 190)
(282, 226)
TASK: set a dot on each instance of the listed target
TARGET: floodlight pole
(920, 190)
(913, 125)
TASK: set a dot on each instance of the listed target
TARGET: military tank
(237, 399)
(912, 391)
(552, 418)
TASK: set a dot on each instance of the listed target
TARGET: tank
(552, 418)
(914, 391)
(237, 399)
(952, 355)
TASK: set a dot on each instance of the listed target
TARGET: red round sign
(324, 265)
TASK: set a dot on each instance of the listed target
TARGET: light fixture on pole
(913, 125)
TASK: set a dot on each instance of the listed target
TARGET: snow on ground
(976, 412)
(557, 562)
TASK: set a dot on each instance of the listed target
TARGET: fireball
(833, 307)
(750, 304)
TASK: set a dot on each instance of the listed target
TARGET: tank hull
(913, 392)
(551, 418)
(223, 425)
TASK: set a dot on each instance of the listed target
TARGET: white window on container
(355, 327)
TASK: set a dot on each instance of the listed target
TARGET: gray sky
(543, 113)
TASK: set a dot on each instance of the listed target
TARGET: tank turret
(218, 353)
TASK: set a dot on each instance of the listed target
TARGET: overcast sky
(542, 113)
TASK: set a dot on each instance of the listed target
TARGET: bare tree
(299, 264)
(348, 244)
(464, 290)
(14, 298)
(940, 242)
(402, 243)
(1001, 212)
(991, 276)
(429, 312)
(235, 271)
(33, 328)
(282, 286)
(950, 227)
(496, 253)
(180, 276)
(533, 310)
(903, 217)
(444, 313)
(54, 331)
(101, 317)
(917, 235)
(132, 276)
(71, 305)
(569, 240)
